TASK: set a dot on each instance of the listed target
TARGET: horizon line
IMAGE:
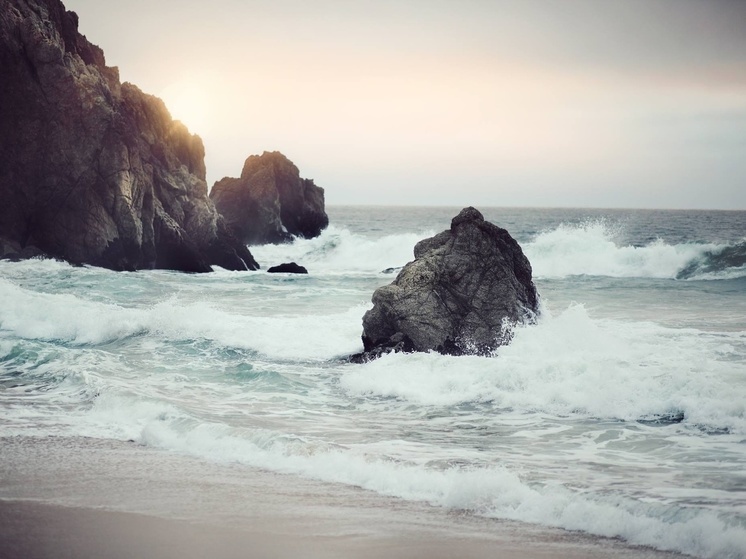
(531, 207)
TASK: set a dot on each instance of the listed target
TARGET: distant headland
(94, 171)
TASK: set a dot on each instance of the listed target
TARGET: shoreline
(35, 530)
(78, 497)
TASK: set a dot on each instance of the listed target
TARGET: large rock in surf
(464, 289)
(269, 202)
(91, 170)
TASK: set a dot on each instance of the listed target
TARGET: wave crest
(492, 491)
(338, 251)
(575, 365)
(71, 319)
(591, 248)
(724, 262)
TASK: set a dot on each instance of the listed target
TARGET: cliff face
(91, 170)
(269, 202)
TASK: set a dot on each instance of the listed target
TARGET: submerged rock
(460, 295)
(93, 171)
(288, 268)
(269, 202)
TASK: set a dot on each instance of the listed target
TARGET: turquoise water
(622, 413)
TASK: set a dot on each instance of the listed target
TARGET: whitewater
(620, 414)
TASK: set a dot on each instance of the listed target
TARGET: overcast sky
(470, 102)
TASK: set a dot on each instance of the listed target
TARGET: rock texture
(288, 268)
(93, 171)
(269, 202)
(465, 286)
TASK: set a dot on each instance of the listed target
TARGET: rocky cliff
(270, 202)
(93, 171)
(465, 289)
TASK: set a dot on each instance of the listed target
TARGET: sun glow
(188, 102)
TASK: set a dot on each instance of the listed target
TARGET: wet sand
(86, 498)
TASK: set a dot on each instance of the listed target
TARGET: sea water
(621, 413)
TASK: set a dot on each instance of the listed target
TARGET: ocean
(620, 414)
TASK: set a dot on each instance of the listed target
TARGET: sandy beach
(81, 498)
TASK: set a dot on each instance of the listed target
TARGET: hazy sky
(503, 103)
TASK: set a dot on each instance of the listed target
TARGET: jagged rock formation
(288, 268)
(269, 202)
(463, 288)
(93, 171)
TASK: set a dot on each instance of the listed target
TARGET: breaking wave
(575, 365)
(70, 319)
(338, 251)
(592, 249)
(491, 491)
(723, 262)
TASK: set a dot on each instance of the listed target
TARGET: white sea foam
(569, 364)
(729, 273)
(23, 268)
(339, 251)
(490, 491)
(34, 315)
(574, 364)
(591, 249)
(42, 316)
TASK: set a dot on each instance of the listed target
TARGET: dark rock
(398, 342)
(288, 268)
(270, 203)
(93, 171)
(12, 250)
(391, 270)
(466, 287)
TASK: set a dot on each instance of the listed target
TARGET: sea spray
(592, 248)
(339, 251)
(572, 364)
(69, 318)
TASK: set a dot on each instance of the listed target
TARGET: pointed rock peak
(268, 159)
(467, 215)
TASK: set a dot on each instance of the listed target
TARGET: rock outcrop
(466, 287)
(93, 171)
(269, 202)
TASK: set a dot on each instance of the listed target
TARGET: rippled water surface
(622, 413)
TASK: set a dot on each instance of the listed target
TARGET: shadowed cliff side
(269, 202)
(93, 171)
